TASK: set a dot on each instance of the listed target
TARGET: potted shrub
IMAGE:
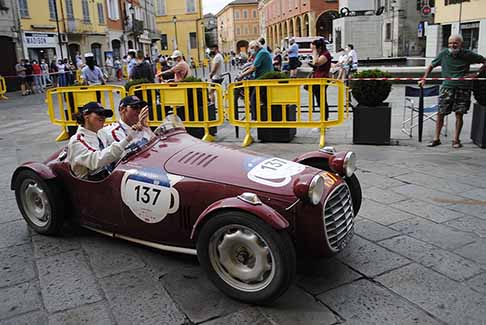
(197, 132)
(478, 125)
(372, 115)
(275, 134)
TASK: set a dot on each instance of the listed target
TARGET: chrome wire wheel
(241, 258)
(35, 202)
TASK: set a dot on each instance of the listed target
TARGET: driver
(86, 152)
(133, 117)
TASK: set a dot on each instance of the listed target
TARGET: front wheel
(246, 258)
(39, 202)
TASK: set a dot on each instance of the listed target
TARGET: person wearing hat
(92, 74)
(87, 154)
(180, 70)
(133, 120)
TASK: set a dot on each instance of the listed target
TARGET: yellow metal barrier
(64, 102)
(284, 94)
(186, 99)
(3, 88)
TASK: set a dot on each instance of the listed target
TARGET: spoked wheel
(245, 257)
(39, 203)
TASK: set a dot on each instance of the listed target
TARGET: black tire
(39, 198)
(222, 229)
(356, 195)
(353, 182)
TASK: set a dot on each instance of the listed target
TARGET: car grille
(338, 216)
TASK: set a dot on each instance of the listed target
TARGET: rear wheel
(39, 202)
(246, 258)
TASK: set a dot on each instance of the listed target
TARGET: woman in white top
(87, 154)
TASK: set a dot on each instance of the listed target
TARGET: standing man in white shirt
(217, 69)
(352, 63)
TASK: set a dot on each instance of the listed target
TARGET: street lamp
(132, 13)
(174, 20)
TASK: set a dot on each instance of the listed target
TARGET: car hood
(213, 162)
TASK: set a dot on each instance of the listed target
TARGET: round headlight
(316, 189)
(349, 164)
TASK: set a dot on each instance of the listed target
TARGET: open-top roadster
(244, 215)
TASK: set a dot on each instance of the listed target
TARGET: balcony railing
(79, 26)
(136, 26)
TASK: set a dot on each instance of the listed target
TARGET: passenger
(133, 120)
(87, 154)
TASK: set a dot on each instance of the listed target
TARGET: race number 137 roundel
(149, 193)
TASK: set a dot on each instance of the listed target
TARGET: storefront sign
(40, 39)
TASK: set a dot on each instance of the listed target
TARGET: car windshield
(170, 123)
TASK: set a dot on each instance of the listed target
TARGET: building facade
(238, 24)
(298, 18)
(210, 30)
(467, 18)
(10, 40)
(382, 28)
(181, 27)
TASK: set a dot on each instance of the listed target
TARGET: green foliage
(274, 75)
(135, 82)
(191, 79)
(371, 93)
(479, 89)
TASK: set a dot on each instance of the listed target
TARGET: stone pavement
(419, 255)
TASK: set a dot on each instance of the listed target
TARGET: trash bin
(276, 134)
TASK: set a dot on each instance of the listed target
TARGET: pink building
(299, 18)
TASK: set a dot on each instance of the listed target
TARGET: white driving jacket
(87, 153)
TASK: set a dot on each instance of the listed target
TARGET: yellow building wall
(39, 15)
(472, 10)
(237, 27)
(186, 23)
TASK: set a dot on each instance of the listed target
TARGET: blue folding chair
(410, 109)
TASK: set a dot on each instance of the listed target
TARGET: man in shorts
(455, 95)
(293, 53)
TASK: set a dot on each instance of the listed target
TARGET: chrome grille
(338, 216)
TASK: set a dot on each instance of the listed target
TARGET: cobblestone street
(418, 255)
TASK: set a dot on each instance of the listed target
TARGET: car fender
(314, 156)
(261, 210)
(39, 168)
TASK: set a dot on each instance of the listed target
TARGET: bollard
(421, 114)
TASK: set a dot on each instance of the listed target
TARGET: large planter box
(372, 125)
(478, 125)
(276, 134)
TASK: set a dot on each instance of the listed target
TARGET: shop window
(446, 33)
(23, 9)
(96, 50)
(470, 34)
(85, 11)
(101, 14)
(193, 40)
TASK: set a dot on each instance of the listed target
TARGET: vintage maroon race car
(244, 215)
